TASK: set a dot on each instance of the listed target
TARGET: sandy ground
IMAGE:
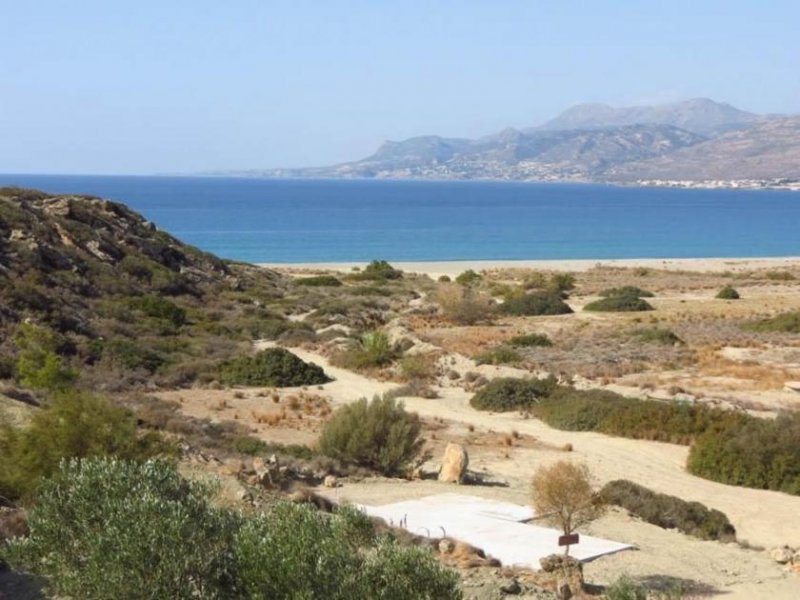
(452, 268)
(762, 518)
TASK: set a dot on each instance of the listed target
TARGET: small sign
(568, 540)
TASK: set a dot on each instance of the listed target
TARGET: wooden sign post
(568, 540)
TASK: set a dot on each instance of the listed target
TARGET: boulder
(454, 464)
(446, 546)
(781, 556)
(330, 481)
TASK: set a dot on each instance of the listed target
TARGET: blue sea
(290, 220)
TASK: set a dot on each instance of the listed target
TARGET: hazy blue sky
(98, 87)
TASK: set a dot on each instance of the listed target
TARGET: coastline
(454, 267)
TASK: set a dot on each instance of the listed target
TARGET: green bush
(655, 335)
(295, 552)
(499, 355)
(625, 588)
(779, 276)
(561, 283)
(74, 425)
(509, 393)
(379, 435)
(159, 307)
(669, 512)
(377, 270)
(626, 290)
(105, 528)
(785, 323)
(535, 304)
(38, 365)
(468, 277)
(130, 355)
(372, 350)
(619, 304)
(319, 281)
(751, 452)
(418, 367)
(530, 340)
(728, 293)
(273, 367)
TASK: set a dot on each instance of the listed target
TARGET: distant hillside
(689, 140)
(699, 115)
(768, 150)
(513, 154)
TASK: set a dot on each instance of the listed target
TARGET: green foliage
(245, 444)
(626, 290)
(468, 277)
(751, 452)
(294, 551)
(499, 355)
(319, 281)
(273, 367)
(379, 435)
(669, 512)
(509, 393)
(161, 308)
(619, 304)
(130, 355)
(785, 323)
(38, 365)
(560, 283)
(530, 340)
(655, 335)
(535, 304)
(728, 293)
(625, 588)
(462, 304)
(377, 270)
(105, 528)
(420, 367)
(74, 425)
(372, 350)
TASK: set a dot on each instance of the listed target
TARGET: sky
(187, 86)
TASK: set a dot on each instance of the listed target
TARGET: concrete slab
(495, 527)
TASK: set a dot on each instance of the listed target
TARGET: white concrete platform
(495, 527)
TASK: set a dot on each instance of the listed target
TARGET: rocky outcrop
(454, 464)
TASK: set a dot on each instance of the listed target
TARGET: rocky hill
(698, 115)
(769, 149)
(696, 139)
(109, 285)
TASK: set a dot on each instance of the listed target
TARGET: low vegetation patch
(510, 393)
(669, 512)
(462, 304)
(619, 304)
(655, 335)
(319, 281)
(785, 323)
(728, 293)
(626, 290)
(377, 270)
(499, 355)
(372, 350)
(468, 277)
(379, 435)
(245, 444)
(275, 367)
(531, 340)
(536, 304)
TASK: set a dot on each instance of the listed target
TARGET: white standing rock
(454, 464)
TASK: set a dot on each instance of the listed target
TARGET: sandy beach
(452, 268)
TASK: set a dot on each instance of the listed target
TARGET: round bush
(273, 367)
(509, 393)
(535, 305)
(728, 293)
(619, 304)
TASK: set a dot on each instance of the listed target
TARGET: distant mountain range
(691, 141)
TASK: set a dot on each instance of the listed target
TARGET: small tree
(38, 365)
(563, 494)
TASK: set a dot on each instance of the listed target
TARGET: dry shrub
(463, 305)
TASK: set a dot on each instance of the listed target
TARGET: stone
(330, 481)
(454, 464)
(563, 591)
(781, 556)
(512, 588)
(446, 546)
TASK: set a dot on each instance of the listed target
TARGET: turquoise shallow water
(273, 220)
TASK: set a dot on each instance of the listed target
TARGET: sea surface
(290, 220)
